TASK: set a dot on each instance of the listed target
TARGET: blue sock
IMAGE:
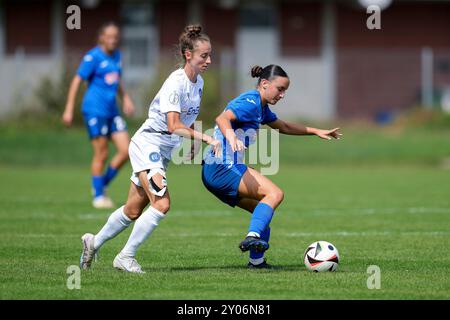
(261, 217)
(265, 235)
(97, 185)
(109, 175)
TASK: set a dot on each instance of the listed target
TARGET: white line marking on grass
(369, 233)
(175, 213)
(48, 235)
(291, 234)
(92, 216)
(428, 210)
(367, 211)
(197, 234)
(200, 213)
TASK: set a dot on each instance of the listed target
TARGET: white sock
(143, 228)
(117, 222)
(253, 234)
(255, 262)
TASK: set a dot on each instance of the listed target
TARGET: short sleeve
(243, 110)
(87, 67)
(170, 97)
(268, 116)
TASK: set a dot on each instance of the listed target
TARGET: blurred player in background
(171, 115)
(228, 178)
(101, 68)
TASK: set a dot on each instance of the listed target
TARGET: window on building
(139, 38)
(257, 14)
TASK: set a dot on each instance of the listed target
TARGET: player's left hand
(328, 134)
(216, 147)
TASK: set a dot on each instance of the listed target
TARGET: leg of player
(256, 259)
(121, 141)
(156, 190)
(100, 148)
(255, 186)
(118, 221)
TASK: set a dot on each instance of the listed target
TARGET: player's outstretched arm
(299, 129)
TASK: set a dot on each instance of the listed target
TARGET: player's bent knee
(122, 157)
(162, 206)
(276, 196)
(101, 155)
(123, 154)
(132, 212)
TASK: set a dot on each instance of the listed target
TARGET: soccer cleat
(128, 264)
(102, 202)
(262, 265)
(254, 243)
(88, 253)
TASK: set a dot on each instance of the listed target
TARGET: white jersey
(177, 94)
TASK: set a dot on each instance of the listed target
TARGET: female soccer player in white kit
(171, 115)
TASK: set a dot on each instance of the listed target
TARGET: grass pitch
(380, 209)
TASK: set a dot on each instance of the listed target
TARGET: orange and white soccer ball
(321, 256)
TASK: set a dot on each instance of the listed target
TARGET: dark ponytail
(269, 72)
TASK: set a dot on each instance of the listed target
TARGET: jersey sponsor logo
(251, 101)
(192, 110)
(174, 98)
(112, 77)
(154, 157)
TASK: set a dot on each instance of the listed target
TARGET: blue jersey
(102, 72)
(250, 114)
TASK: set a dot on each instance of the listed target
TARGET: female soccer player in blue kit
(228, 178)
(101, 68)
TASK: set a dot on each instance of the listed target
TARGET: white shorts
(146, 156)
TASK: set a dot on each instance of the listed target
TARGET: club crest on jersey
(174, 98)
(154, 157)
(112, 77)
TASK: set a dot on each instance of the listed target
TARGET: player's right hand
(67, 118)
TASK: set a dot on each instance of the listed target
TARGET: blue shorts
(102, 126)
(223, 180)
